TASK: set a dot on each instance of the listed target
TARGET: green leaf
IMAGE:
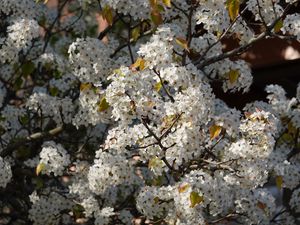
(233, 7)
(195, 199)
(57, 74)
(78, 211)
(18, 83)
(103, 105)
(160, 8)
(53, 91)
(27, 68)
(24, 120)
(278, 26)
(39, 183)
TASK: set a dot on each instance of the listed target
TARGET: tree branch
(33, 137)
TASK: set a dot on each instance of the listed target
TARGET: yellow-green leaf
(157, 181)
(139, 63)
(195, 199)
(278, 26)
(158, 86)
(156, 200)
(103, 105)
(155, 162)
(45, 1)
(39, 168)
(279, 182)
(183, 188)
(135, 33)
(107, 14)
(85, 86)
(287, 138)
(39, 183)
(167, 3)
(233, 76)
(156, 17)
(182, 43)
(214, 131)
(153, 3)
(233, 7)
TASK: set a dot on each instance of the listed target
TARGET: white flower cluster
(11, 123)
(237, 75)
(20, 36)
(88, 108)
(109, 171)
(265, 8)
(139, 9)
(60, 110)
(84, 55)
(292, 25)
(158, 52)
(63, 84)
(169, 151)
(284, 107)
(154, 202)
(213, 15)
(47, 209)
(258, 206)
(54, 158)
(20, 8)
(5, 173)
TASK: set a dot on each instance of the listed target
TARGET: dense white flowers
(54, 158)
(128, 128)
(292, 25)
(47, 209)
(5, 173)
(86, 56)
(20, 36)
(109, 171)
(61, 110)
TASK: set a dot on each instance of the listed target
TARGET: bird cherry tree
(123, 127)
